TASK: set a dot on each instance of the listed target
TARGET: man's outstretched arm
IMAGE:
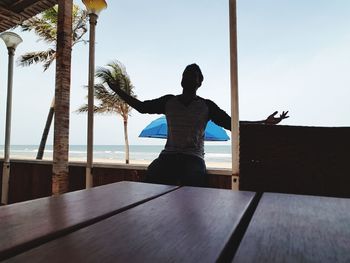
(148, 106)
(130, 100)
(222, 119)
(270, 120)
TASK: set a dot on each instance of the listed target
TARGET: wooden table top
(137, 222)
(27, 224)
(186, 225)
(295, 228)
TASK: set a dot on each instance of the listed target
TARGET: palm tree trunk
(126, 141)
(49, 119)
(62, 94)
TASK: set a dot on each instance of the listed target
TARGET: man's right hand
(112, 85)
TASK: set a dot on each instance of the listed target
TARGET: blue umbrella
(158, 129)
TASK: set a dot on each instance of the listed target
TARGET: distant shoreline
(216, 156)
(225, 165)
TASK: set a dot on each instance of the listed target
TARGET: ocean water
(214, 153)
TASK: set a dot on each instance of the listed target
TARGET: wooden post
(62, 97)
(234, 94)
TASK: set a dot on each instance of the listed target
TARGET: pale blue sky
(293, 55)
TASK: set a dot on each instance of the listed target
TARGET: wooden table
(185, 225)
(29, 224)
(295, 228)
(136, 222)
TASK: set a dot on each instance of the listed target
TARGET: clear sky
(293, 55)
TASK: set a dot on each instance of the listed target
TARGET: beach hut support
(234, 94)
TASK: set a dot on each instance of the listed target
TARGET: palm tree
(108, 101)
(45, 26)
(60, 168)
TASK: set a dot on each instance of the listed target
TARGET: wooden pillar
(234, 94)
(62, 95)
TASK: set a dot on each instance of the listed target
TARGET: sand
(113, 161)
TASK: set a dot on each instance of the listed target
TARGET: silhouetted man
(182, 159)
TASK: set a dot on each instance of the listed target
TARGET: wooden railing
(31, 179)
(285, 159)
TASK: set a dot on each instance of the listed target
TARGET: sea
(146, 153)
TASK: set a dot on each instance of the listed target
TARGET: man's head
(192, 77)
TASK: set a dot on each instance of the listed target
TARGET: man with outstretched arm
(182, 159)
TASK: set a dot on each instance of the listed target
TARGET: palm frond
(82, 109)
(45, 25)
(107, 95)
(44, 29)
(48, 63)
(37, 57)
(51, 15)
(108, 101)
(79, 24)
(115, 72)
(99, 109)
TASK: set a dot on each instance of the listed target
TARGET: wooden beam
(234, 94)
(21, 5)
(9, 12)
(13, 13)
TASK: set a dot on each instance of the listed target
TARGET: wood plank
(295, 160)
(296, 228)
(187, 225)
(27, 224)
(22, 10)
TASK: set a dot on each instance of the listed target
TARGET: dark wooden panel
(76, 177)
(16, 10)
(292, 228)
(1, 167)
(294, 159)
(31, 179)
(187, 225)
(30, 223)
(219, 181)
(107, 175)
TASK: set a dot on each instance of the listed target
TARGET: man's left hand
(271, 120)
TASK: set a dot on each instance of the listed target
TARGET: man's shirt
(187, 123)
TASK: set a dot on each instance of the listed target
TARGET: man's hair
(196, 68)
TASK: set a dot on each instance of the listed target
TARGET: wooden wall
(32, 179)
(294, 159)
